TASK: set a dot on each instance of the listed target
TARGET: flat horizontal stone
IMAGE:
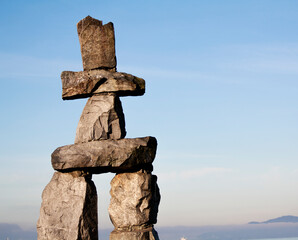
(85, 83)
(110, 155)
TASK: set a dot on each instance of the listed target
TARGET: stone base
(135, 235)
(69, 208)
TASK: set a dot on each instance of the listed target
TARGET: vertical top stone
(97, 44)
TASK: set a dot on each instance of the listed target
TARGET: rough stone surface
(85, 83)
(97, 44)
(102, 118)
(106, 155)
(134, 201)
(69, 208)
(135, 235)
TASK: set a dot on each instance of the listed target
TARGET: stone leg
(69, 208)
(102, 118)
(134, 205)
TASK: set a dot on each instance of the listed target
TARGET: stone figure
(69, 202)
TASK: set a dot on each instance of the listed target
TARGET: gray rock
(85, 83)
(106, 155)
(135, 235)
(97, 44)
(134, 201)
(69, 208)
(102, 118)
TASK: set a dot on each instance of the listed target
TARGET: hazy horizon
(234, 232)
(221, 99)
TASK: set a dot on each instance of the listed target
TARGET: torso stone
(102, 118)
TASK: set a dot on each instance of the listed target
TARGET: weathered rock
(135, 235)
(102, 118)
(69, 208)
(134, 201)
(85, 83)
(97, 44)
(106, 155)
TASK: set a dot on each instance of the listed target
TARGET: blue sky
(221, 99)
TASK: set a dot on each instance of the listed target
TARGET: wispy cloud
(194, 173)
(204, 172)
(272, 175)
(28, 67)
(228, 64)
(170, 73)
(186, 155)
(261, 58)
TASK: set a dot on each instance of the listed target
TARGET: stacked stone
(69, 201)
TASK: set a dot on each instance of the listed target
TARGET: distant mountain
(233, 232)
(13, 231)
(283, 219)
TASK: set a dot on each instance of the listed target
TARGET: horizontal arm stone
(109, 155)
(85, 83)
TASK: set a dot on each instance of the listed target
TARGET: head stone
(97, 44)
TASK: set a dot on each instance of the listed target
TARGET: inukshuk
(69, 201)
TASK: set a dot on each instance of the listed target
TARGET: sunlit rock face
(134, 201)
(102, 156)
(69, 208)
(97, 44)
(86, 83)
(102, 118)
